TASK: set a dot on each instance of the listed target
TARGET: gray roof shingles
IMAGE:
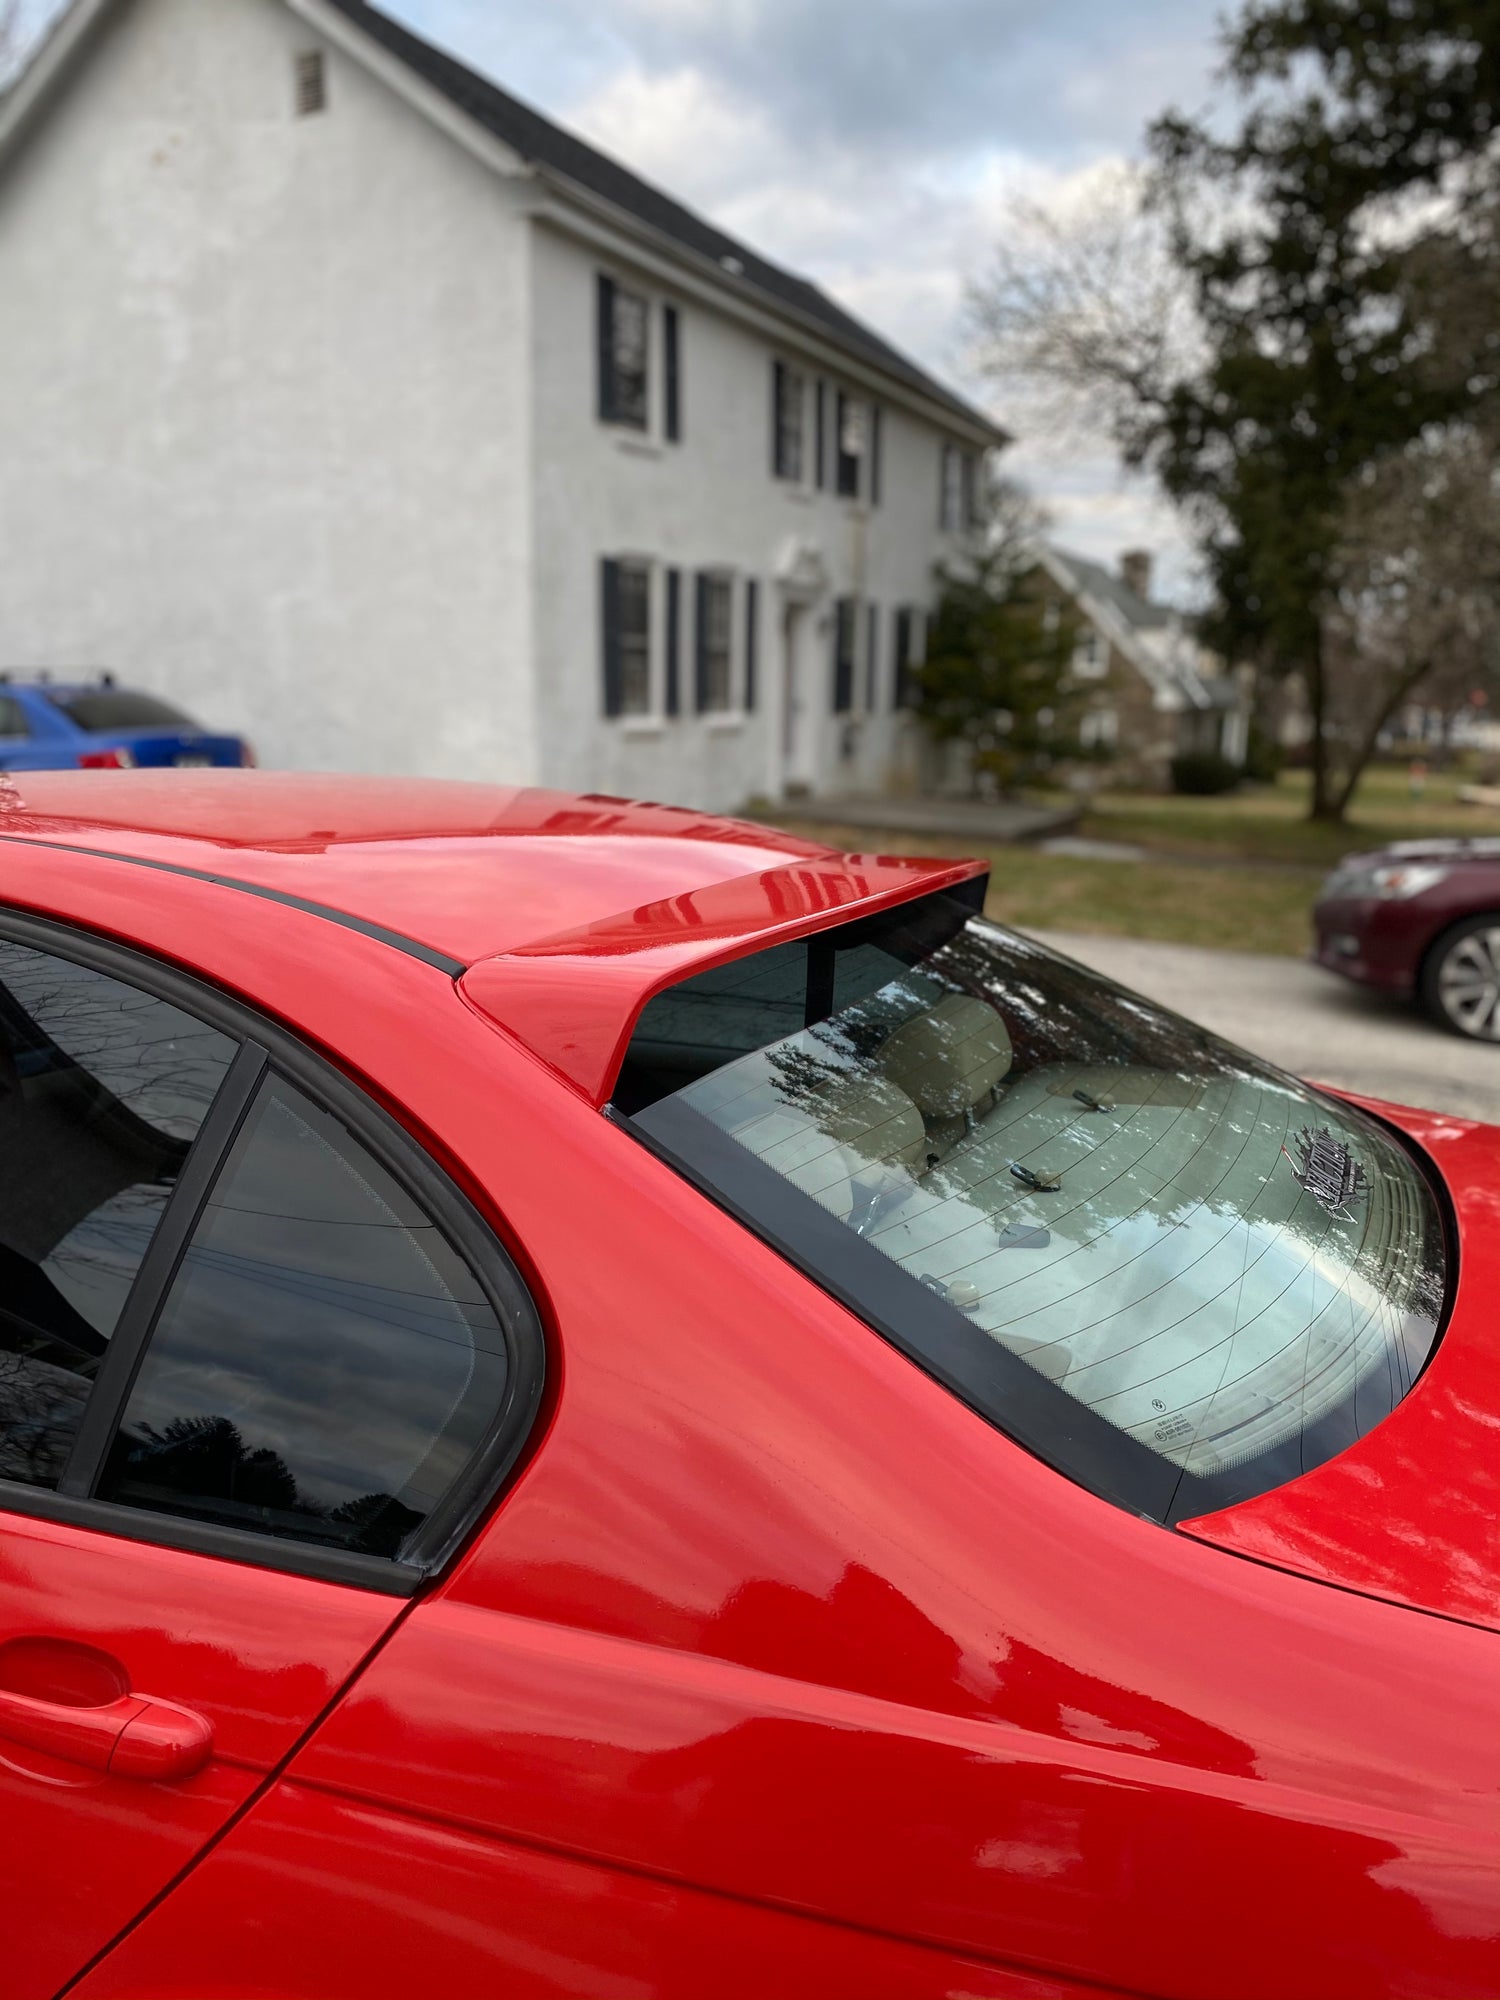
(558, 152)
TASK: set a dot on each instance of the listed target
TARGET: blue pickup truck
(93, 725)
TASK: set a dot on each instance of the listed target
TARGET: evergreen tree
(1311, 237)
(998, 653)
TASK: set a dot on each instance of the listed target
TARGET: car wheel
(1460, 984)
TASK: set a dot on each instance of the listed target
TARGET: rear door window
(103, 1089)
(326, 1364)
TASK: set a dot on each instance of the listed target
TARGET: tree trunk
(1323, 805)
(1366, 749)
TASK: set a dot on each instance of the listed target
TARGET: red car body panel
(366, 1904)
(256, 1655)
(776, 1668)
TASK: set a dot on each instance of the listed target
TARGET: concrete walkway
(985, 821)
(1307, 1020)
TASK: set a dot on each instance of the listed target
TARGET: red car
(598, 1402)
(1420, 918)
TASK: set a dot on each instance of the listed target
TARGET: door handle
(132, 1737)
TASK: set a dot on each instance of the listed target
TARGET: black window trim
(265, 1050)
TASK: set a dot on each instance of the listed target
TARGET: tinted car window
(102, 1090)
(1167, 1268)
(325, 1364)
(114, 708)
(12, 717)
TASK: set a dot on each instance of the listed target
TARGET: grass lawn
(1239, 872)
(1269, 822)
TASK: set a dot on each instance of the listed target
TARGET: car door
(258, 1364)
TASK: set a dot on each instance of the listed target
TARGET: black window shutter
(905, 693)
(843, 656)
(606, 349)
(672, 360)
(822, 434)
(970, 500)
(614, 688)
(872, 658)
(876, 414)
(674, 642)
(778, 403)
(700, 644)
(752, 637)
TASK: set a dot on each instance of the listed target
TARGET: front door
(799, 748)
(237, 1367)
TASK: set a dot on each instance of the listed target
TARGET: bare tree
(1085, 317)
(1414, 608)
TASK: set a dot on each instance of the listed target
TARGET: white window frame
(1099, 726)
(1090, 660)
(650, 440)
(733, 713)
(651, 720)
(806, 480)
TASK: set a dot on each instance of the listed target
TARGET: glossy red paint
(368, 1903)
(573, 999)
(243, 1660)
(470, 870)
(1413, 1512)
(776, 1669)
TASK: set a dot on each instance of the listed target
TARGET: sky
(873, 146)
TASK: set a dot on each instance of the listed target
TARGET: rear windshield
(113, 708)
(1179, 1276)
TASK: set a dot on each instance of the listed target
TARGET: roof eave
(47, 65)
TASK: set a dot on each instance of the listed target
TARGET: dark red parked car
(601, 1404)
(1420, 918)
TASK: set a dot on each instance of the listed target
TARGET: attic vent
(312, 83)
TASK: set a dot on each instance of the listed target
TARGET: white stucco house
(354, 405)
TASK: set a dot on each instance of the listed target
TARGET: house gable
(513, 138)
(268, 401)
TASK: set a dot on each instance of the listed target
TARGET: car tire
(1459, 985)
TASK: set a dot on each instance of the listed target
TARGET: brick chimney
(1135, 572)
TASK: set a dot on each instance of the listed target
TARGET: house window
(1098, 728)
(844, 629)
(1090, 657)
(787, 400)
(820, 471)
(624, 355)
(850, 439)
(311, 83)
(959, 500)
(627, 637)
(715, 675)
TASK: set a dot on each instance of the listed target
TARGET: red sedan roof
(467, 870)
(581, 905)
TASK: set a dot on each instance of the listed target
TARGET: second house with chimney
(1149, 689)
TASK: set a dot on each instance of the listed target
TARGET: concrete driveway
(1307, 1020)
